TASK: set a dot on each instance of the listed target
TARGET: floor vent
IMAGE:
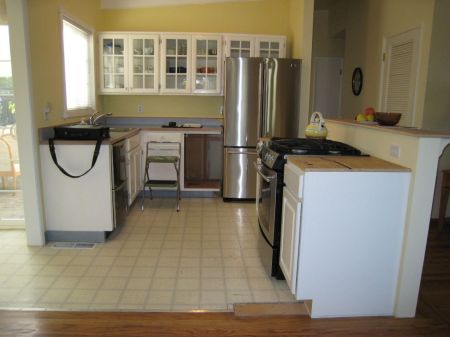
(74, 245)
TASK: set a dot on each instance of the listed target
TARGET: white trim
(27, 136)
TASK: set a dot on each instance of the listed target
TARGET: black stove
(270, 168)
(273, 153)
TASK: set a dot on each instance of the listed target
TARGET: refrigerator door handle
(261, 90)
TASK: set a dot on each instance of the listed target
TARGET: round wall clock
(357, 81)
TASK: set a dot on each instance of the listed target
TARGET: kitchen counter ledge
(344, 164)
(115, 137)
(414, 132)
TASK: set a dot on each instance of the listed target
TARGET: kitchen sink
(119, 129)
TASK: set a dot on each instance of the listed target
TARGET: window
(78, 69)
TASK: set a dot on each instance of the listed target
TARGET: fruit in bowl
(369, 111)
(387, 118)
(367, 115)
(360, 117)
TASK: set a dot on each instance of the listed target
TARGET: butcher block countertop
(344, 164)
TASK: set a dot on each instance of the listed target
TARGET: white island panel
(83, 204)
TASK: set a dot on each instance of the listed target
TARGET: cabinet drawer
(161, 137)
(132, 142)
(293, 179)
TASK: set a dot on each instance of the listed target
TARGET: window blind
(76, 42)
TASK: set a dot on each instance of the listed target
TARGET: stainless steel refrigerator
(261, 100)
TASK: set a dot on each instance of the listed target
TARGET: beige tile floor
(202, 258)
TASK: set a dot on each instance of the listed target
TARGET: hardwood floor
(432, 319)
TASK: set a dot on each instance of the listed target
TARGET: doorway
(11, 199)
(327, 86)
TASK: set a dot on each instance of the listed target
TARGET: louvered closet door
(400, 75)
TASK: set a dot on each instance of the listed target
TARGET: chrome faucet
(93, 119)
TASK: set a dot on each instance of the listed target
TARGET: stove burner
(311, 146)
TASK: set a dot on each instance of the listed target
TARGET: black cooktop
(273, 153)
(308, 146)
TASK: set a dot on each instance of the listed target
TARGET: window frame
(91, 108)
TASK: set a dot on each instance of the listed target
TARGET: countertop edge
(344, 164)
(413, 132)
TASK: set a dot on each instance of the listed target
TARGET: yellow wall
(46, 51)
(254, 17)
(272, 17)
(295, 38)
(163, 106)
(368, 21)
(3, 18)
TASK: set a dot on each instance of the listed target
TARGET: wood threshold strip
(270, 309)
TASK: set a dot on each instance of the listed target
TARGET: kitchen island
(416, 149)
(342, 232)
(88, 208)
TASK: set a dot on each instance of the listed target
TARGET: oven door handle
(241, 152)
(265, 177)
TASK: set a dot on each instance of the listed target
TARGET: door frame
(27, 135)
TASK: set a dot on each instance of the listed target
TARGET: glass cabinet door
(175, 66)
(240, 48)
(207, 53)
(143, 64)
(239, 45)
(114, 64)
(270, 47)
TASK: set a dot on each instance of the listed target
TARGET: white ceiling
(109, 4)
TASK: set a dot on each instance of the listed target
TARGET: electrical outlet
(140, 108)
(394, 150)
(47, 110)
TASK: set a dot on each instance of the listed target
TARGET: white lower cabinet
(289, 234)
(341, 239)
(134, 160)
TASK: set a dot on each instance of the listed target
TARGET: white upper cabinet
(207, 62)
(128, 63)
(143, 70)
(175, 64)
(239, 45)
(113, 63)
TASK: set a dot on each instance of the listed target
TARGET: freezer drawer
(239, 181)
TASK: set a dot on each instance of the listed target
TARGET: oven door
(266, 192)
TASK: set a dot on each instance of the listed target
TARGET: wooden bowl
(387, 118)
